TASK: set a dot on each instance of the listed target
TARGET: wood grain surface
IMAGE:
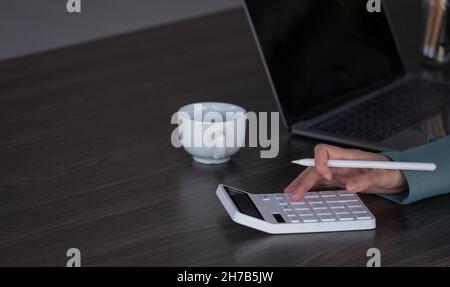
(87, 162)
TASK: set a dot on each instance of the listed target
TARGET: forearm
(424, 184)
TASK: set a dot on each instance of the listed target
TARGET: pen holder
(436, 46)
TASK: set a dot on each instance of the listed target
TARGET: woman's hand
(354, 180)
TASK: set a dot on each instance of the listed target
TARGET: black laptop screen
(321, 54)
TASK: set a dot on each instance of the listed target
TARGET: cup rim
(241, 109)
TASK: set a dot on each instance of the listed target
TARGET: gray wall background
(30, 26)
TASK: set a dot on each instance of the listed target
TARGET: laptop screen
(321, 54)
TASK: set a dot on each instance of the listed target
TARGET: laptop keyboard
(386, 115)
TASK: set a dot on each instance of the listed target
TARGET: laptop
(338, 75)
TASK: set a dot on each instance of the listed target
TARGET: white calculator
(318, 212)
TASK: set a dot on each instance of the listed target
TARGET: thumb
(361, 182)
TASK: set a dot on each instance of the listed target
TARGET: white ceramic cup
(211, 131)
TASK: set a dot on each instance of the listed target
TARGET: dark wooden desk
(86, 161)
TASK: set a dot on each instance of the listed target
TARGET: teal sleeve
(424, 184)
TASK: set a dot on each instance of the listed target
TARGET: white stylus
(419, 166)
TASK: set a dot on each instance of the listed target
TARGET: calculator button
(328, 194)
(345, 217)
(290, 214)
(312, 194)
(315, 200)
(319, 212)
(265, 197)
(365, 215)
(342, 213)
(354, 204)
(345, 193)
(302, 208)
(279, 196)
(298, 203)
(336, 204)
(319, 208)
(287, 208)
(321, 205)
(307, 218)
(327, 217)
(344, 210)
(304, 212)
(323, 211)
(358, 210)
(295, 221)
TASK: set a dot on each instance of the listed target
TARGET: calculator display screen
(243, 202)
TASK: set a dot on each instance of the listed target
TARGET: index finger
(296, 182)
(308, 182)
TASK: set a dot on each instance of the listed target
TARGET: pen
(418, 166)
